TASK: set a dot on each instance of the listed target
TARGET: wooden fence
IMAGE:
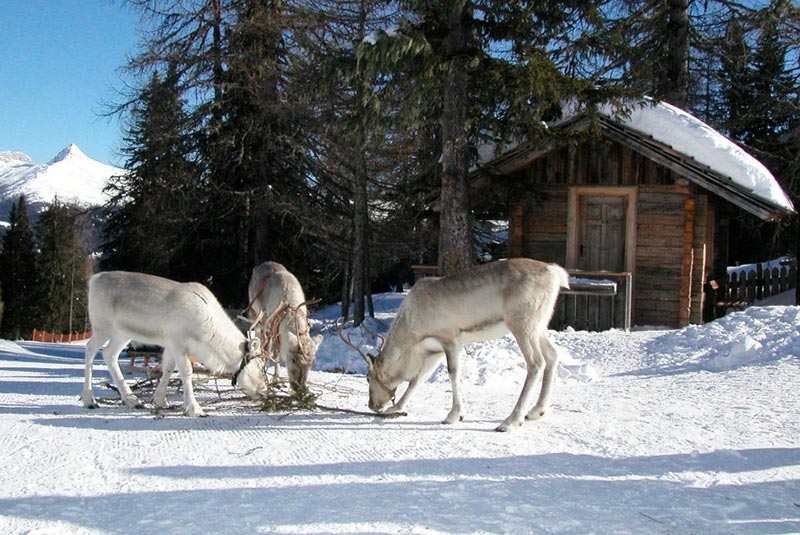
(741, 289)
(595, 301)
(44, 336)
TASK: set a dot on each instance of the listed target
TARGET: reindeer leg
(453, 354)
(111, 358)
(190, 405)
(92, 346)
(550, 355)
(276, 370)
(534, 361)
(167, 367)
(429, 364)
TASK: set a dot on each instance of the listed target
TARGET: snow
(71, 176)
(783, 261)
(692, 137)
(652, 431)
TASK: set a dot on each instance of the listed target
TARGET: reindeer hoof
(536, 414)
(505, 427)
(451, 421)
(133, 403)
(194, 412)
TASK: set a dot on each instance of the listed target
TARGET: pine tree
(481, 68)
(60, 264)
(151, 206)
(759, 96)
(354, 147)
(18, 275)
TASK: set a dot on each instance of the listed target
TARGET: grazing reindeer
(275, 291)
(184, 318)
(441, 315)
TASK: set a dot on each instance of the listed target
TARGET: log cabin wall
(674, 224)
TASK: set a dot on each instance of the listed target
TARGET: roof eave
(686, 166)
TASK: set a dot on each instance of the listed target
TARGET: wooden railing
(595, 301)
(742, 288)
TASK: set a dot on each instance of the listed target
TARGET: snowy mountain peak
(72, 177)
(72, 151)
(14, 157)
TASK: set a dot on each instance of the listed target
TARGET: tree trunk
(455, 232)
(360, 209)
(216, 47)
(346, 292)
(676, 85)
(360, 242)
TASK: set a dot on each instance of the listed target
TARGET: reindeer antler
(256, 321)
(374, 335)
(309, 302)
(349, 342)
(278, 309)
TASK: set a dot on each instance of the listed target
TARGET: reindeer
(441, 315)
(183, 318)
(275, 291)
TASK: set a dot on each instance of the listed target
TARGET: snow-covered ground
(652, 432)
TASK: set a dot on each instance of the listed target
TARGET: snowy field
(694, 431)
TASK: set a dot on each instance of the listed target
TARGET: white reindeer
(441, 315)
(274, 291)
(184, 318)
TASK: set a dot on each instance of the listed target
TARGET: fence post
(759, 283)
(752, 287)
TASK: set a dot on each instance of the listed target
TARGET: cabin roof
(678, 141)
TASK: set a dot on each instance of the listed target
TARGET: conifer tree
(18, 275)
(62, 294)
(151, 206)
(482, 67)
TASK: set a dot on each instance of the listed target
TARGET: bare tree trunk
(360, 209)
(455, 233)
(346, 293)
(368, 278)
(360, 242)
(677, 79)
(216, 13)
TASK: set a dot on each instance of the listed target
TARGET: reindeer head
(302, 356)
(380, 394)
(250, 376)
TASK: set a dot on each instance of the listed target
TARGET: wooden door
(602, 231)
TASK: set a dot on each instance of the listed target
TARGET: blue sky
(59, 62)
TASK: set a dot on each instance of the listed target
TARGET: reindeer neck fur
(220, 344)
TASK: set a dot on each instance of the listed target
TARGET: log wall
(674, 225)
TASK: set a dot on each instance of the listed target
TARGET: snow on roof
(692, 137)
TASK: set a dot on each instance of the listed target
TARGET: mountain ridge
(71, 177)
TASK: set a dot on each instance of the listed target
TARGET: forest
(337, 136)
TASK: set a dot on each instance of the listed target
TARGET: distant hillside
(71, 177)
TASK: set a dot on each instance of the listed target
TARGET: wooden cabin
(647, 210)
